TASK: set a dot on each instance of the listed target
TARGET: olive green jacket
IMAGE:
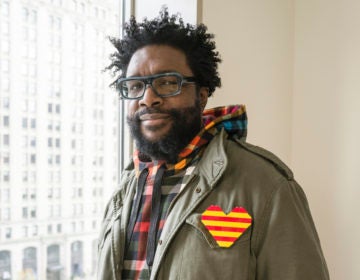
(281, 243)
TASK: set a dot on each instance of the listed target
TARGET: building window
(6, 176)
(5, 84)
(25, 194)
(5, 9)
(35, 230)
(6, 102)
(5, 214)
(6, 121)
(33, 158)
(33, 141)
(5, 158)
(6, 140)
(33, 192)
(5, 197)
(30, 260)
(24, 122)
(33, 123)
(50, 142)
(5, 261)
(53, 262)
(25, 232)
(8, 233)
(77, 259)
(25, 213)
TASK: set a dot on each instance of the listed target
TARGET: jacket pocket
(194, 220)
(106, 229)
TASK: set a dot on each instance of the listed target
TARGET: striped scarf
(231, 118)
(171, 179)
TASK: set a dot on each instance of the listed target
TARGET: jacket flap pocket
(195, 221)
(104, 232)
(106, 229)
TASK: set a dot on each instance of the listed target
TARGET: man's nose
(150, 98)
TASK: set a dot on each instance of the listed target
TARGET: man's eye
(135, 86)
(167, 82)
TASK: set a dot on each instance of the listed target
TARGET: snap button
(198, 190)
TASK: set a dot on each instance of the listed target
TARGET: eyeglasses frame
(148, 80)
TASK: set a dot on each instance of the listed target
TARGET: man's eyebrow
(160, 72)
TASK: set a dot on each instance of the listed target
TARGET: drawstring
(155, 212)
(136, 207)
(155, 217)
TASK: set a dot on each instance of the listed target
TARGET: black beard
(186, 123)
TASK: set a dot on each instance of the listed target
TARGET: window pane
(46, 123)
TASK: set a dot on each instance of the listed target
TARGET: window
(5, 214)
(33, 141)
(5, 261)
(6, 140)
(50, 142)
(25, 194)
(6, 176)
(25, 231)
(5, 197)
(5, 103)
(24, 122)
(30, 259)
(8, 233)
(6, 121)
(32, 158)
(5, 83)
(53, 122)
(5, 158)
(5, 9)
(25, 212)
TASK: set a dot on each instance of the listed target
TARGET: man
(197, 201)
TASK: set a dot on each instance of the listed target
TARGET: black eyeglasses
(164, 85)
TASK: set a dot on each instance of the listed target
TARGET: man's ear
(203, 94)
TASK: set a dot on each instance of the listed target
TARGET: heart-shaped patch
(226, 228)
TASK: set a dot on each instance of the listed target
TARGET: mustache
(138, 114)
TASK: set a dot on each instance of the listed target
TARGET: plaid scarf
(168, 180)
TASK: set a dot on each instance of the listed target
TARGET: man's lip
(153, 116)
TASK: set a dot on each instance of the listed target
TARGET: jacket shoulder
(267, 156)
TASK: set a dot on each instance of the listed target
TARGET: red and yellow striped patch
(226, 228)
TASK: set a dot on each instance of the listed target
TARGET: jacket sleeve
(287, 246)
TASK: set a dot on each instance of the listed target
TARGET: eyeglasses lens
(163, 85)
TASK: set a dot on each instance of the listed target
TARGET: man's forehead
(155, 59)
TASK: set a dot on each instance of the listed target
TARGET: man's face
(162, 127)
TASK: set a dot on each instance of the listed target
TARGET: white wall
(301, 58)
(255, 40)
(326, 129)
